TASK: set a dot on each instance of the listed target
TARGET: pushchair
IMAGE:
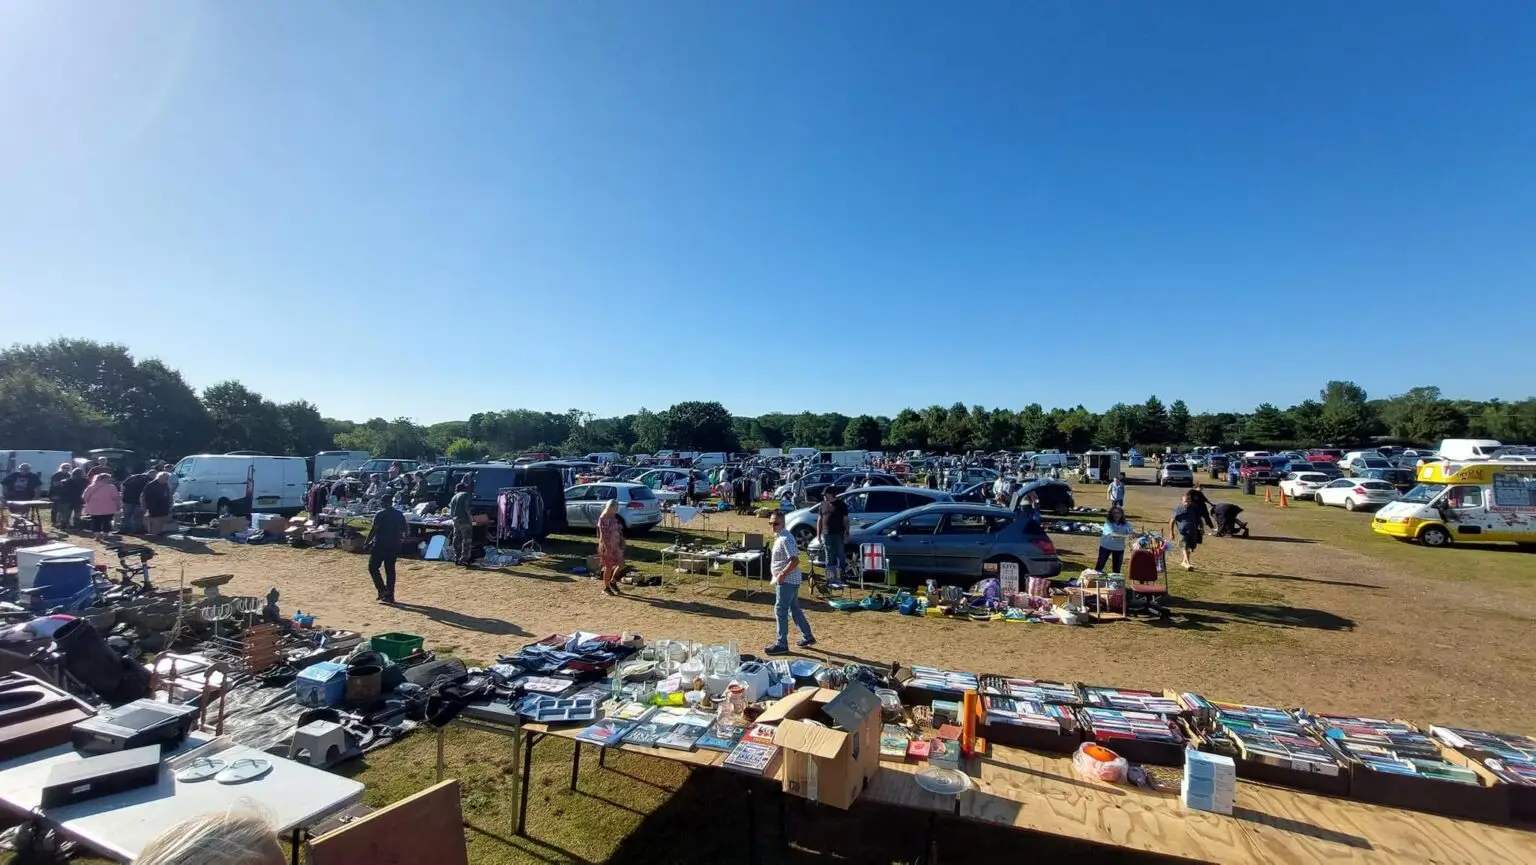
(1228, 525)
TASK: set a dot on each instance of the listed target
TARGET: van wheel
(803, 536)
(1434, 536)
(1349, 504)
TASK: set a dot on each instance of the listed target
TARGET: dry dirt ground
(1313, 610)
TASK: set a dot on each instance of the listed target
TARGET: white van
(1049, 460)
(603, 457)
(849, 459)
(43, 463)
(210, 483)
(804, 453)
(709, 460)
(332, 461)
(1457, 450)
(770, 452)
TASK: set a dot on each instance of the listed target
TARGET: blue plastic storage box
(322, 684)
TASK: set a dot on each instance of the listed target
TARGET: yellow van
(1478, 502)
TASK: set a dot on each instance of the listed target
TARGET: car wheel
(1349, 504)
(803, 536)
(1434, 536)
(640, 531)
(1318, 497)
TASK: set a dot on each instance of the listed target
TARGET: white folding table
(292, 796)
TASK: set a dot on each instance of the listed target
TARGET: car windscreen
(1178, 467)
(641, 494)
(1376, 485)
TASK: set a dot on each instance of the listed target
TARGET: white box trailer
(43, 463)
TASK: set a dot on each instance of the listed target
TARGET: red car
(1258, 468)
(1324, 455)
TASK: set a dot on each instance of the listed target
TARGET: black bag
(91, 662)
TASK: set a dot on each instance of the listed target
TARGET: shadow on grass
(1266, 614)
(696, 608)
(1295, 579)
(562, 856)
(1279, 540)
(481, 624)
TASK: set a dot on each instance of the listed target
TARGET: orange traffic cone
(1268, 495)
(1284, 503)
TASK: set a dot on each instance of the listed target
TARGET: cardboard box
(829, 764)
(1298, 776)
(353, 544)
(273, 525)
(1488, 803)
(227, 526)
(594, 565)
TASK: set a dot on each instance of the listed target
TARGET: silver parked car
(1175, 475)
(638, 506)
(961, 540)
(866, 505)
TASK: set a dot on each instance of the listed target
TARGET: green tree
(1178, 422)
(650, 431)
(304, 432)
(1123, 426)
(1076, 429)
(440, 436)
(463, 450)
(1205, 429)
(699, 426)
(1344, 417)
(1033, 424)
(243, 420)
(1266, 425)
(908, 432)
(40, 414)
(863, 433)
(1154, 421)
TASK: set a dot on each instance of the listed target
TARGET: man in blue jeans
(832, 528)
(784, 565)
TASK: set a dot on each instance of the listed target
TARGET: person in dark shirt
(319, 493)
(133, 509)
(1186, 522)
(463, 526)
(22, 485)
(156, 499)
(1202, 505)
(832, 527)
(386, 537)
(58, 489)
(73, 497)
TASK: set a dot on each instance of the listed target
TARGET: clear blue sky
(850, 206)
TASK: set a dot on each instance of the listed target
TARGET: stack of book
(1272, 736)
(941, 681)
(1392, 747)
(1029, 713)
(1131, 701)
(1108, 725)
(751, 758)
(1512, 758)
(1033, 690)
(657, 724)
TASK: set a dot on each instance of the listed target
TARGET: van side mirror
(894, 534)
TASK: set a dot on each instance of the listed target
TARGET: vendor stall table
(292, 795)
(31, 511)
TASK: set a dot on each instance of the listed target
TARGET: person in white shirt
(784, 565)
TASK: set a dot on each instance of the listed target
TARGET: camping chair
(872, 560)
(1145, 589)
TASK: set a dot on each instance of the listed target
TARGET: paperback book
(721, 736)
(607, 732)
(687, 732)
(751, 757)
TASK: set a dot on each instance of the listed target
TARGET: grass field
(1313, 610)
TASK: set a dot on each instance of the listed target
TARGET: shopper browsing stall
(133, 507)
(101, 501)
(1112, 542)
(156, 500)
(1117, 492)
(23, 484)
(58, 490)
(784, 565)
(463, 526)
(385, 536)
(610, 545)
(832, 528)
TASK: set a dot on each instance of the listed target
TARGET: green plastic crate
(396, 647)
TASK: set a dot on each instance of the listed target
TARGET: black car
(1217, 465)
(846, 481)
(1053, 496)
(486, 480)
(1403, 479)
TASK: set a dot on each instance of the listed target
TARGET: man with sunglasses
(784, 565)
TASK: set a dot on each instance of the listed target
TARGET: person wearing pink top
(100, 503)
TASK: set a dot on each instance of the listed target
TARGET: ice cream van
(1477, 502)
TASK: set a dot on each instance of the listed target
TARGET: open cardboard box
(227, 526)
(832, 760)
(1488, 802)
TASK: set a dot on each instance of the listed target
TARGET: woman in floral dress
(610, 546)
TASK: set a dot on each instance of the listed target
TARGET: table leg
(575, 764)
(602, 756)
(933, 839)
(295, 841)
(751, 825)
(442, 733)
(522, 804)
